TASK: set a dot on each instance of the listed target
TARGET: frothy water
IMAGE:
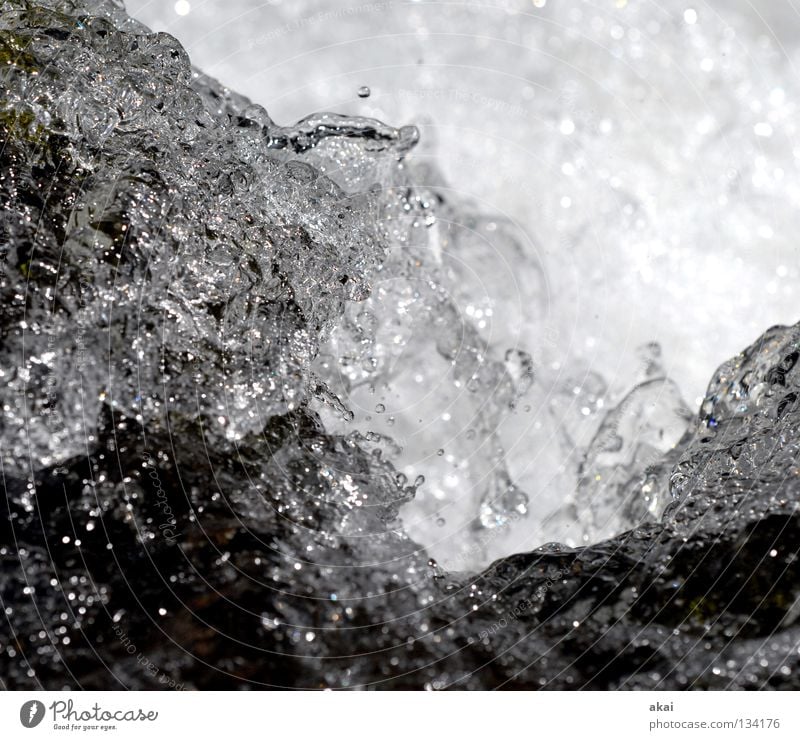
(606, 179)
(285, 389)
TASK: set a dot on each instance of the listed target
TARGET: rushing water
(249, 367)
(623, 174)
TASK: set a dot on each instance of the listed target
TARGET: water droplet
(364, 92)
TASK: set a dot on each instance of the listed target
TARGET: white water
(646, 161)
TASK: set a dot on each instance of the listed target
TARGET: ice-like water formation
(248, 367)
(640, 158)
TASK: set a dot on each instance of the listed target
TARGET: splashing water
(249, 366)
(559, 213)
